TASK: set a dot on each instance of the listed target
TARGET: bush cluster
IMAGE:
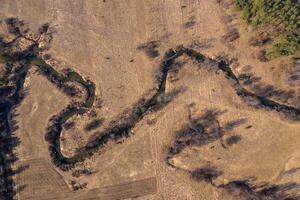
(283, 16)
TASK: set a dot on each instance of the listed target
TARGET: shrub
(262, 56)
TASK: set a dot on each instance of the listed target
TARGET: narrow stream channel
(123, 127)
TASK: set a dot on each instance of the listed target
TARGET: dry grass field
(119, 45)
(39, 178)
(40, 181)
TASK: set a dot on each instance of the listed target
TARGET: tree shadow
(249, 79)
(228, 19)
(291, 171)
(8, 142)
(94, 124)
(293, 76)
(246, 189)
(15, 26)
(150, 48)
(233, 124)
(190, 23)
(17, 61)
(233, 140)
(203, 130)
(231, 35)
(207, 174)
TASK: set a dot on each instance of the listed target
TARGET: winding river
(123, 126)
